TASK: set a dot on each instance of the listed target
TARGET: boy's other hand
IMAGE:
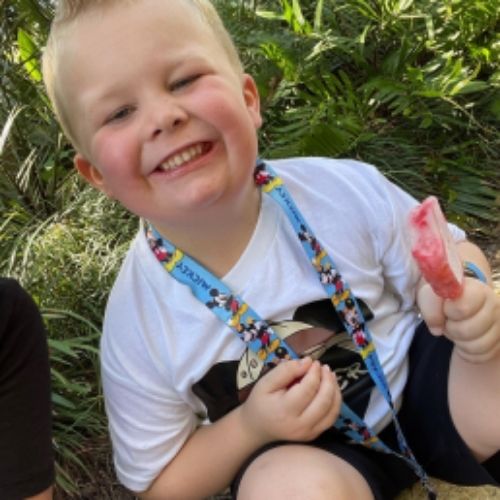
(296, 401)
(471, 322)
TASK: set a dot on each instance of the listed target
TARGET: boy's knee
(301, 472)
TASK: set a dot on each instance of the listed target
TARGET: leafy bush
(409, 85)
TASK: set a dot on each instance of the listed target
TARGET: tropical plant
(409, 85)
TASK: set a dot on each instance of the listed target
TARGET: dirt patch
(99, 481)
(451, 492)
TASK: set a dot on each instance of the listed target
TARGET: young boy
(163, 118)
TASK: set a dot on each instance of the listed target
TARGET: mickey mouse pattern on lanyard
(241, 318)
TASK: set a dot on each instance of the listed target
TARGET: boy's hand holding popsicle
(463, 308)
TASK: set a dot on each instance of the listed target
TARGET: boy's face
(165, 124)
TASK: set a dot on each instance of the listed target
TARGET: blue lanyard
(243, 320)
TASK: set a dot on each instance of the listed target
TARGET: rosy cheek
(217, 101)
(110, 150)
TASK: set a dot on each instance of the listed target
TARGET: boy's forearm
(208, 461)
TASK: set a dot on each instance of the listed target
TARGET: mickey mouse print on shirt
(316, 331)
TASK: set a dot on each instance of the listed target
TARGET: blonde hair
(68, 11)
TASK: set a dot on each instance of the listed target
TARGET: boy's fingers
(482, 347)
(331, 416)
(324, 399)
(472, 328)
(300, 395)
(285, 374)
(431, 307)
(476, 297)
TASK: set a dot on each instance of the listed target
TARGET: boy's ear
(252, 99)
(91, 174)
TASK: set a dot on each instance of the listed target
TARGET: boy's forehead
(107, 28)
(154, 12)
(98, 35)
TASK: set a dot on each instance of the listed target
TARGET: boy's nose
(167, 117)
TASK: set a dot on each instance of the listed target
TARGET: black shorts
(26, 457)
(426, 422)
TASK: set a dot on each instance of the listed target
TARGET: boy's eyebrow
(92, 101)
(107, 93)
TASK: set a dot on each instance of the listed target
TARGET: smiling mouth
(187, 155)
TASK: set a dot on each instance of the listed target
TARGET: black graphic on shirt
(316, 331)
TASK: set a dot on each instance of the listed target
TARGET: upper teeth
(184, 156)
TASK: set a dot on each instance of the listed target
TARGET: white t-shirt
(169, 364)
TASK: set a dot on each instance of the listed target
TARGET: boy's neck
(217, 241)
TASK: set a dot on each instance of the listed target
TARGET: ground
(104, 486)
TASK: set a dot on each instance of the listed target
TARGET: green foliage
(409, 85)
(34, 158)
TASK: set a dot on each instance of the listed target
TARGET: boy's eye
(183, 82)
(119, 114)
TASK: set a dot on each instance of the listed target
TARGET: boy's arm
(207, 462)
(278, 408)
(472, 321)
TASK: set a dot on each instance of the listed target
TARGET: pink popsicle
(434, 250)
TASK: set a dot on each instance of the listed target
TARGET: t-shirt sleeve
(148, 421)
